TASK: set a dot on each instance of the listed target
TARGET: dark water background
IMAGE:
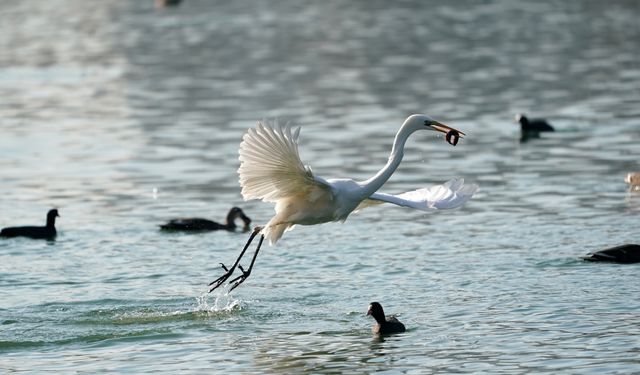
(123, 115)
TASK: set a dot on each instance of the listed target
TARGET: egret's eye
(427, 123)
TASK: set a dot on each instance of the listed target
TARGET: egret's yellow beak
(452, 135)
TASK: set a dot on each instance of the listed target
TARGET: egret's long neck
(397, 152)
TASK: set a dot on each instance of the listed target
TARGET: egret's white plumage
(271, 170)
(451, 194)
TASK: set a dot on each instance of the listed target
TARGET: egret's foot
(229, 271)
(220, 280)
(240, 279)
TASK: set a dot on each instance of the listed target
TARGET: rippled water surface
(122, 116)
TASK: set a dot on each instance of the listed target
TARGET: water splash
(223, 303)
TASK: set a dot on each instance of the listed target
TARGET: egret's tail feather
(274, 232)
(452, 194)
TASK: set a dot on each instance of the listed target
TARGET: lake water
(122, 116)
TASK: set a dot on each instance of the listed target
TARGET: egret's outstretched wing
(452, 194)
(270, 166)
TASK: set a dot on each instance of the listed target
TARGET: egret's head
(419, 122)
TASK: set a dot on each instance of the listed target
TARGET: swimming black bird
(167, 3)
(198, 224)
(629, 253)
(531, 128)
(534, 125)
(385, 325)
(46, 232)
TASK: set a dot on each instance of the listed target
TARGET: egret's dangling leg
(245, 274)
(229, 271)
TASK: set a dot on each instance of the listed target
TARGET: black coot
(46, 232)
(198, 224)
(629, 253)
(385, 324)
(531, 128)
(167, 3)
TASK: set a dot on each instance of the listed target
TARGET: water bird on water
(629, 253)
(198, 224)
(531, 128)
(271, 170)
(46, 232)
(633, 179)
(167, 3)
(384, 324)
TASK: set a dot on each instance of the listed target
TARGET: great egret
(385, 324)
(198, 224)
(271, 170)
(46, 232)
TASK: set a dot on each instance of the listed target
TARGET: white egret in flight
(271, 170)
